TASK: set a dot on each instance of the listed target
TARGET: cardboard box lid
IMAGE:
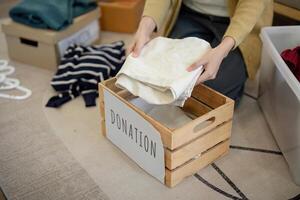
(49, 36)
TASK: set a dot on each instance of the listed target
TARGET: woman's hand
(212, 59)
(142, 36)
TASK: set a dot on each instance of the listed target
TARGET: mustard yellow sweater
(247, 17)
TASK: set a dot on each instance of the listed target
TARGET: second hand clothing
(82, 68)
(159, 74)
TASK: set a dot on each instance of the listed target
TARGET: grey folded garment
(53, 14)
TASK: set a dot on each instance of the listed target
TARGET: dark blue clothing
(50, 14)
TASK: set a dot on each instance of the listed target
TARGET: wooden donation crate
(186, 149)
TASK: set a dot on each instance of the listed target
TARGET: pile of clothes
(82, 68)
(292, 58)
(53, 14)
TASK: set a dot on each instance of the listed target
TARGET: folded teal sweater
(50, 14)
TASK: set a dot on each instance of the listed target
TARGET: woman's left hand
(212, 59)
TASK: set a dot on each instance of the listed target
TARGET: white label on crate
(85, 36)
(134, 135)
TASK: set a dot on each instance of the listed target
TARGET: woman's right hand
(142, 36)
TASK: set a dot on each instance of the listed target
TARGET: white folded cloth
(158, 75)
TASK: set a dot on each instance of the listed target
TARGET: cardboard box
(39, 47)
(121, 15)
(176, 153)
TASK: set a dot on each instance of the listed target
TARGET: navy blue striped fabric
(82, 68)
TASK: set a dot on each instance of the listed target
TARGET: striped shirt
(82, 68)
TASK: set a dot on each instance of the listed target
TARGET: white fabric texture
(158, 75)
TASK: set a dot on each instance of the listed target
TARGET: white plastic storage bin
(279, 93)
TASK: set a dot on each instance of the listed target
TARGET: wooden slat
(195, 107)
(110, 83)
(287, 11)
(101, 107)
(208, 96)
(126, 95)
(175, 176)
(182, 155)
(187, 133)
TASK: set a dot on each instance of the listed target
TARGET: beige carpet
(34, 163)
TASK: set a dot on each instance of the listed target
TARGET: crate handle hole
(204, 124)
(29, 42)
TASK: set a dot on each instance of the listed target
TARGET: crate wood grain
(197, 143)
(173, 177)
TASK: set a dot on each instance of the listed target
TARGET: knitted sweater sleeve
(246, 14)
(157, 10)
